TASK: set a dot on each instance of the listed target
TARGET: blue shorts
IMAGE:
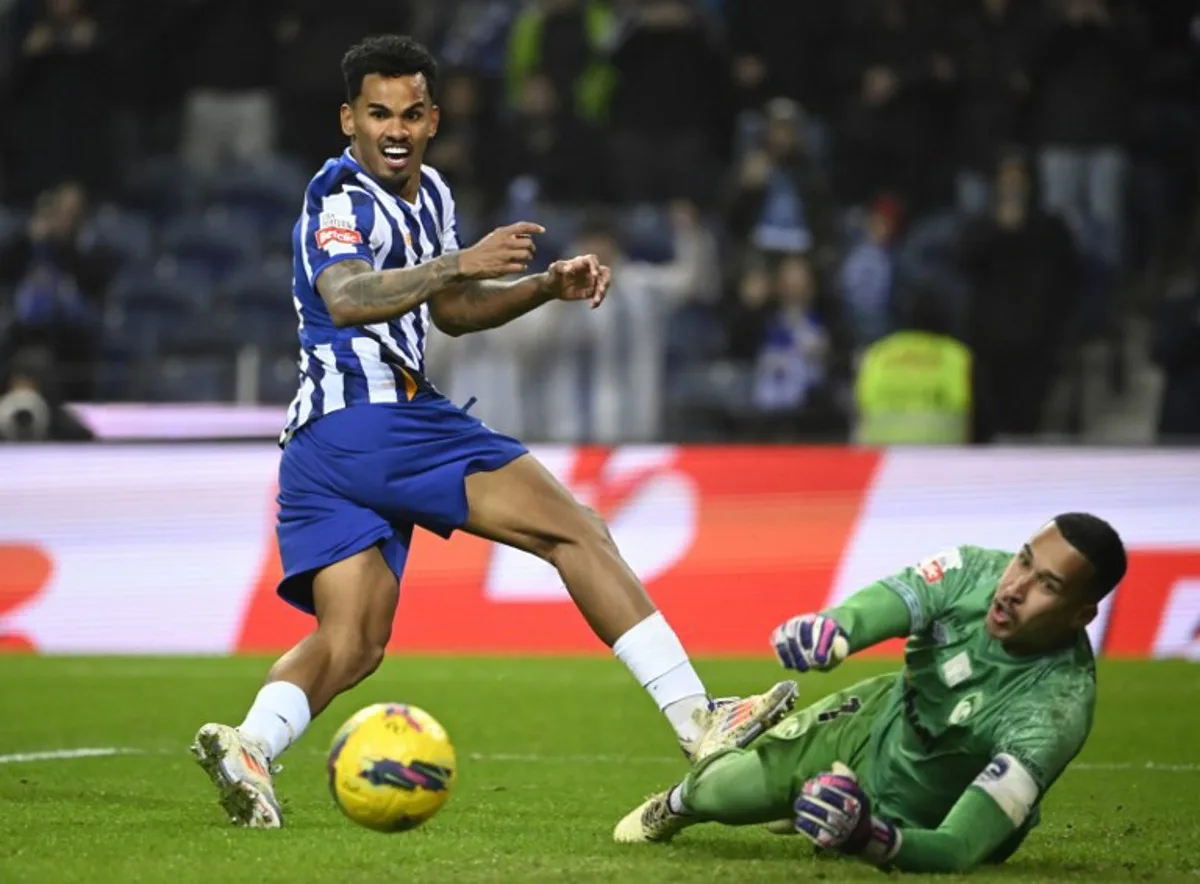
(365, 475)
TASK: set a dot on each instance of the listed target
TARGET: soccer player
(371, 448)
(944, 765)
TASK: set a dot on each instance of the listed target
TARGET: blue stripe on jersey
(430, 189)
(347, 215)
(398, 257)
(414, 227)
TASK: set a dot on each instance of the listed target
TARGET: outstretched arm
(834, 813)
(482, 304)
(357, 294)
(897, 606)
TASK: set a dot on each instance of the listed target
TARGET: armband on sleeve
(1011, 786)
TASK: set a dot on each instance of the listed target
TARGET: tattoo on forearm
(393, 293)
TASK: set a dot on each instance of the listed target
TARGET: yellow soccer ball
(391, 767)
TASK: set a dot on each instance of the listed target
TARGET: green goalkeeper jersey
(964, 712)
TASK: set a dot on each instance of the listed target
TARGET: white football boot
(239, 769)
(734, 722)
(651, 821)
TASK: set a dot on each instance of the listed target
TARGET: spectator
(564, 40)
(30, 408)
(865, 279)
(60, 286)
(1084, 85)
(991, 49)
(1024, 277)
(747, 310)
(229, 55)
(791, 363)
(781, 202)
(608, 366)
(1176, 349)
(781, 48)
(550, 146)
(671, 113)
(60, 66)
(895, 80)
(914, 386)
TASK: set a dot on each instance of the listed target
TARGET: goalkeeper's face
(1043, 597)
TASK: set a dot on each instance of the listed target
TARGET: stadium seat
(206, 378)
(12, 223)
(162, 187)
(278, 376)
(255, 306)
(269, 191)
(212, 245)
(128, 233)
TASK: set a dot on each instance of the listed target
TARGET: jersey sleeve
(338, 228)
(973, 832)
(931, 586)
(904, 603)
(1048, 728)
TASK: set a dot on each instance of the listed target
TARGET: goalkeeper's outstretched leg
(758, 784)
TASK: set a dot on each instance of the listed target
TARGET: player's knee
(586, 532)
(355, 655)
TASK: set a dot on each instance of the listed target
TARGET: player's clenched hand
(810, 641)
(582, 278)
(834, 813)
(503, 251)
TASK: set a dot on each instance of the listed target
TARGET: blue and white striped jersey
(348, 215)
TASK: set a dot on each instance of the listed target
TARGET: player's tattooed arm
(357, 294)
(482, 304)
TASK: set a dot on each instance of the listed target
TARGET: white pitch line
(533, 758)
(67, 754)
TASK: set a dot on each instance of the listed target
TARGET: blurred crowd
(883, 220)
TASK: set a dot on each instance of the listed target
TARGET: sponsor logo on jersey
(934, 568)
(956, 670)
(966, 707)
(337, 228)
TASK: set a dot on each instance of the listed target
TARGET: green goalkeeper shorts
(835, 728)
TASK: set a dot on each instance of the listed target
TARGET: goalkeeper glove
(810, 641)
(834, 813)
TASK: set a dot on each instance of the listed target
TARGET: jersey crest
(967, 706)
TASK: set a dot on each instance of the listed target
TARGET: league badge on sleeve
(934, 568)
(336, 228)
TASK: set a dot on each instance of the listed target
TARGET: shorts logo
(334, 228)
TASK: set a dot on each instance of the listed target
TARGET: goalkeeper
(943, 766)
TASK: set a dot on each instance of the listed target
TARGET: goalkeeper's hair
(1099, 543)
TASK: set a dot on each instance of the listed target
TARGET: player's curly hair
(390, 55)
(1099, 543)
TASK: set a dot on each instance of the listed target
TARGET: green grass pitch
(553, 751)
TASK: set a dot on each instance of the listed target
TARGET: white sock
(278, 717)
(675, 801)
(653, 654)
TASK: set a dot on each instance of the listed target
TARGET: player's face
(389, 124)
(1042, 598)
